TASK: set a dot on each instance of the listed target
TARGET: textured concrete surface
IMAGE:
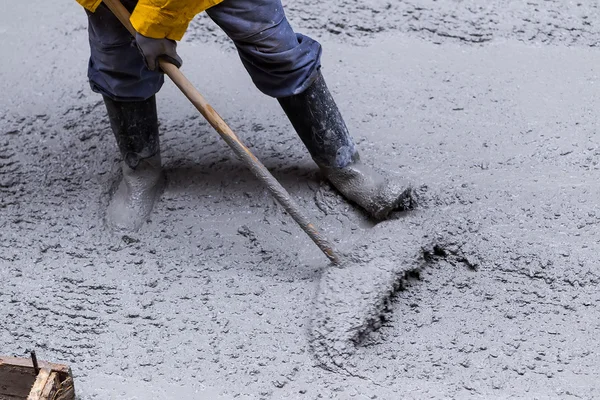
(493, 103)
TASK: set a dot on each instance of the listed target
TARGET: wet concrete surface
(215, 294)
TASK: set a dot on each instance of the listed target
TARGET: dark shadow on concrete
(186, 176)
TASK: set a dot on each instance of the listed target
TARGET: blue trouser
(280, 62)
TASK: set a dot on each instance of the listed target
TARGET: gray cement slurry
(215, 294)
(354, 299)
(469, 22)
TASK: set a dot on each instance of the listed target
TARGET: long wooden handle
(259, 170)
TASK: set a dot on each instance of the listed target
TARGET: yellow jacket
(161, 18)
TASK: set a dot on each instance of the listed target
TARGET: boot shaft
(319, 123)
(135, 126)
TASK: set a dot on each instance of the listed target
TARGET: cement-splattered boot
(135, 125)
(320, 125)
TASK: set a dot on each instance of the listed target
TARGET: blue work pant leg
(116, 68)
(280, 62)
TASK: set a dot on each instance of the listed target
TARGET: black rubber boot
(135, 125)
(317, 120)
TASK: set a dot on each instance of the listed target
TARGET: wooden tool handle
(259, 170)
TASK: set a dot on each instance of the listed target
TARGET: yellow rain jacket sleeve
(161, 18)
(90, 4)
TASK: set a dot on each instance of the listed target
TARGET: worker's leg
(286, 65)
(117, 71)
(116, 68)
(280, 62)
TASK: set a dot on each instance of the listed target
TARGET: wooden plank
(19, 382)
(15, 381)
(39, 384)
(66, 391)
(51, 387)
(27, 363)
